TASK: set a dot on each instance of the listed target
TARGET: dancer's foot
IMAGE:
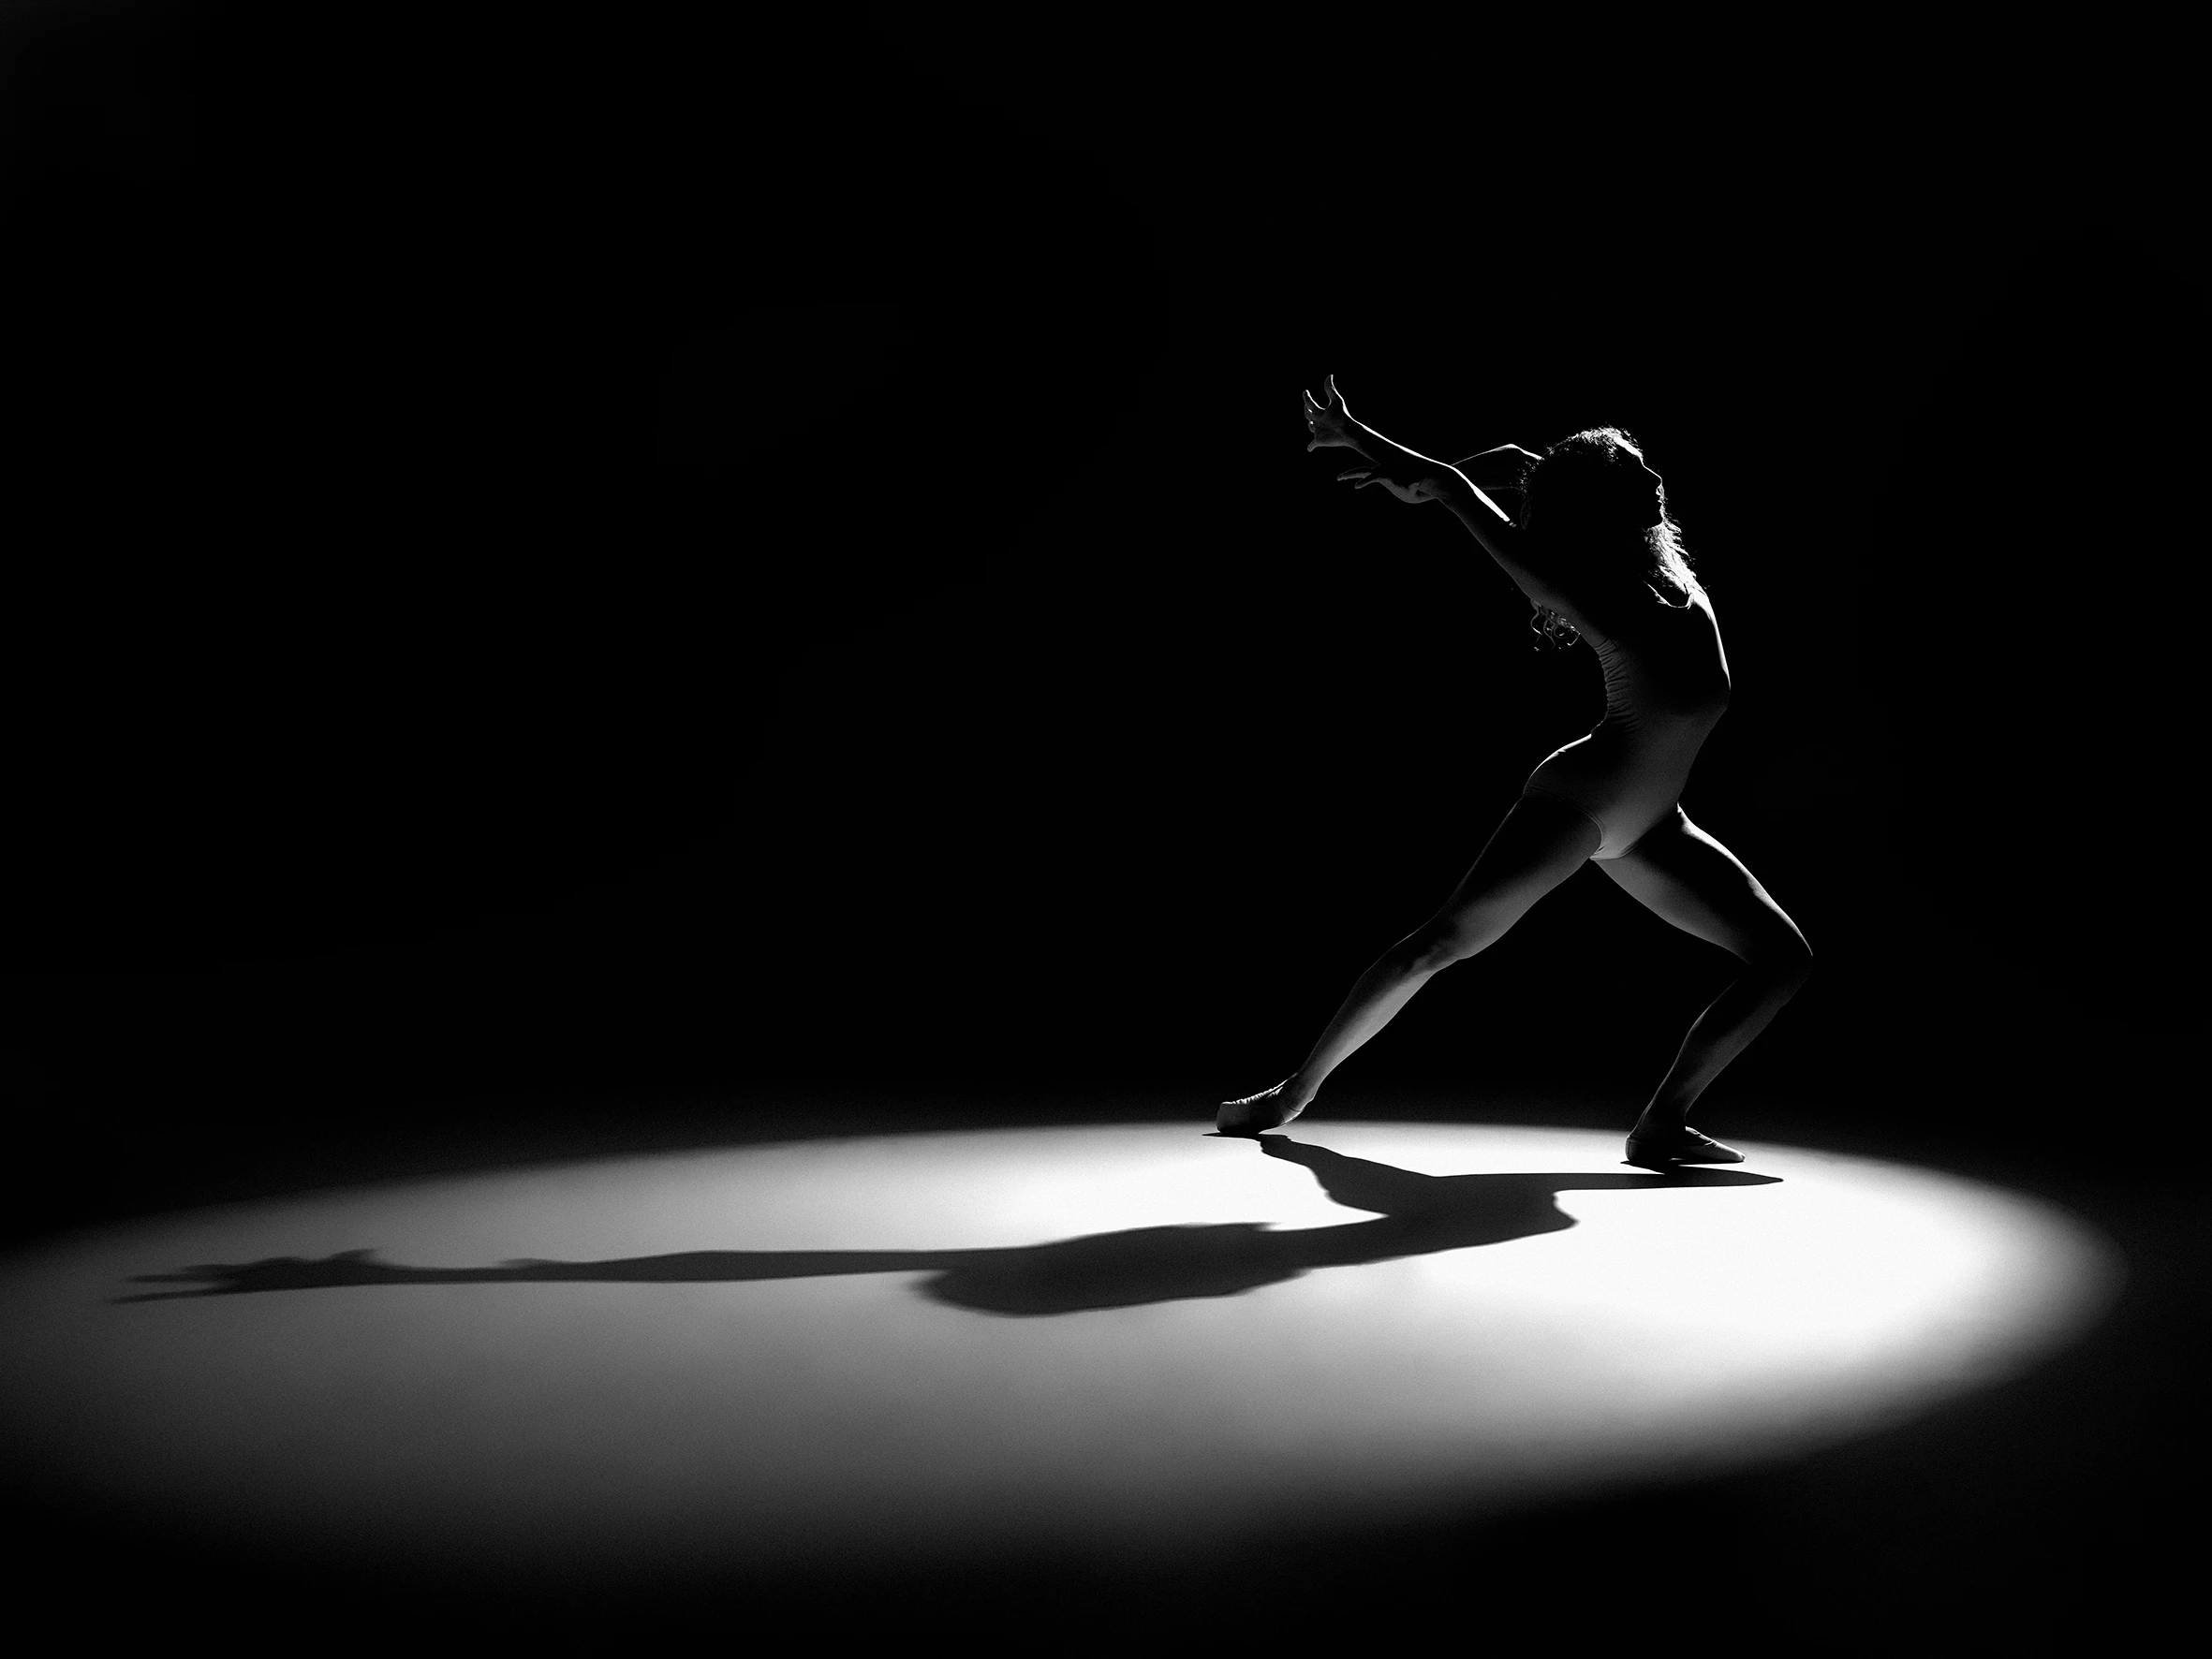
(1271, 1108)
(1668, 1145)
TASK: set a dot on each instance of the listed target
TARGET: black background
(558, 567)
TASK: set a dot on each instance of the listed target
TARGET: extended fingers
(1336, 399)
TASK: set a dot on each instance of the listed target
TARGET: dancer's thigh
(1539, 846)
(1682, 874)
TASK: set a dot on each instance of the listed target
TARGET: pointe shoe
(1671, 1150)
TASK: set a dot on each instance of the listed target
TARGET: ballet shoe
(1252, 1115)
(1246, 1124)
(1668, 1152)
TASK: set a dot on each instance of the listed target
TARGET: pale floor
(1105, 1342)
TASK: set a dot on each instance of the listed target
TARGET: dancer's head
(1596, 480)
(1592, 491)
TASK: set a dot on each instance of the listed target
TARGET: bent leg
(1683, 875)
(1539, 846)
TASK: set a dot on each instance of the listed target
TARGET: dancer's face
(1630, 493)
(1636, 491)
(1651, 496)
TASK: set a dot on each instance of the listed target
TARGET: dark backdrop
(603, 563)
(575, 579)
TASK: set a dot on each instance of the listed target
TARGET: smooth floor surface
(1094, 1343)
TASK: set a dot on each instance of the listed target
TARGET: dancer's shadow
(1420, 1215)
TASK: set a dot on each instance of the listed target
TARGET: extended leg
(1685, 875)
(1539, 846)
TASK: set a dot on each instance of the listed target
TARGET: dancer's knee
(1786, 962)
(1444, 942)
(1435, 955)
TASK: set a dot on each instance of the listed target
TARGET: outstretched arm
(1408, 474)
(1501, 473)
(1413, 477)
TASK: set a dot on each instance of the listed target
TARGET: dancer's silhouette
(1599, 558)
(1420, 1215)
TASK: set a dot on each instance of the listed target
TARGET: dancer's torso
(1666, 686)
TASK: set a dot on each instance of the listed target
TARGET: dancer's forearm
(1494, 528)
(1474, 509)
(1443, 481)
(1387, 452)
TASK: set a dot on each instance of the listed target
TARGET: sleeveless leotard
(1666, 686)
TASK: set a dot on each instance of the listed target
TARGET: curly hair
(1579, 469)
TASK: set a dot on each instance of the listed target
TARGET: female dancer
(1599, 558)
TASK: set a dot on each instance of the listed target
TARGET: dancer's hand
(1331, 422)
(1408, 482)
(276, 1272)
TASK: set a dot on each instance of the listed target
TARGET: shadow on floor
(1420, 1215)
